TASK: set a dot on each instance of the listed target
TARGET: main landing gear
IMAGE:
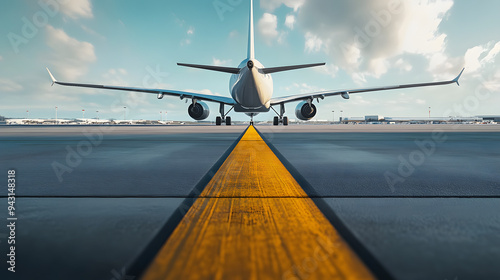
(223, 118)
(280, 118)
(220, 120)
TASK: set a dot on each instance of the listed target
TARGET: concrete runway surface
(423, 200)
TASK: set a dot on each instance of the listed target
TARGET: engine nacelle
(304, 111)
(199, 111)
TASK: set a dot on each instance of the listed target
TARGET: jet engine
(198, 111)
(305, 111)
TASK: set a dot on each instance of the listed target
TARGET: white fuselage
(251, 88)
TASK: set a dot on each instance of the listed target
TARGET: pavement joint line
(232, 236)
(319, 196)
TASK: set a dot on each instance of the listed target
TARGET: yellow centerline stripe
(236, 234)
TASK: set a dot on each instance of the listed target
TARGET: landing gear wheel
(218, 121)
(276, 121)
(285, 121)
(228, 120)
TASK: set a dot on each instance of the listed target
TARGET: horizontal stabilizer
(288, 68)
(212, 68)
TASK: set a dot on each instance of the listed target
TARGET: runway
(440, 222)
(254, 221)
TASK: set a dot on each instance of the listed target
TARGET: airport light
(27, 114)
(83, 114)
(56, 115)
(429, 112)
(161, 115)
(333, 116)
(341, 115)
(97, 114)
(124, 112)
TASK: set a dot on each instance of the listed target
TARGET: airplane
(251, 88)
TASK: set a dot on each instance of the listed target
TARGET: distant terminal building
(490, 118)
(374, 118)
(378, 119)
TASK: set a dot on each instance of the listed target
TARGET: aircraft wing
(346, 92)
(158, 92)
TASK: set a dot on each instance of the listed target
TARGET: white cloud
(76, 8)
(134, 101)
(472, 62)
(379, 67)
(190, 34)
(358, 78)
(70, 56)
(493, 53)
(403, 65)
(481, 64)
(421, 33)
(363, 36)
(290, 21)
(233, 34)
(267, 27)
(329, 69)
(271, 5)
(116, 77)
(282, 37)
(493, 84)
(482, 56)
(220, 62)
(92, 32)
(313, 42)
(358, 100)
(7, 85)
(303, 88)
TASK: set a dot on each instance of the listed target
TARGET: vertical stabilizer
(251, 50)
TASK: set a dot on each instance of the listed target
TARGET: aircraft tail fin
(251, 42)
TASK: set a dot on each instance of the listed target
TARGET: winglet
(458, 77)
(51, 76)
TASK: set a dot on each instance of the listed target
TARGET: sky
(364, 43)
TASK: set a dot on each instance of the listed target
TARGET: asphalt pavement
(424, 201)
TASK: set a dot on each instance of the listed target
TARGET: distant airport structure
(377, 119)
(369, 119)
(27, 121)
